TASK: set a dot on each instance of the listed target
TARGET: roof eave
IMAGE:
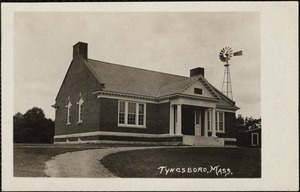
(235, 108)
(64, 80)
(178, 95)
(112, 93)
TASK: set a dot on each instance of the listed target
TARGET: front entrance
(192, 123)
(188, 121)
(197, 114)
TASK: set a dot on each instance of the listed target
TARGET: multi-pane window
(219, 120)
(69, 105)
(141, 114)
(208, 120)
(132, 114)
(80, 104)
(121, 112)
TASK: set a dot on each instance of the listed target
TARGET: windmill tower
(225, 55)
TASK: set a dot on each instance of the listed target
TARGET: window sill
(132, 126)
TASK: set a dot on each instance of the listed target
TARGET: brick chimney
(197, 71)
(81, 49)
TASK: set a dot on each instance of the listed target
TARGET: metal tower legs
(226, 87)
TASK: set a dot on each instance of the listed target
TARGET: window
(132, 114)
(220, 121)
(255, 141)
(69, 105)
(220, 125)
(198, 91)
(208, 120)
(80, 103)
(122, 112)
(141, 114)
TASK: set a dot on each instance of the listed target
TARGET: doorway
(192, 120)
(188, 121)
(197, 116)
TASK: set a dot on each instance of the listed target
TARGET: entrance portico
(190, 117)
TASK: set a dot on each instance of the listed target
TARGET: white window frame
(80, 103)
(218, 120)
(68, 106)
(252, 139)
(136, 125)
(209, 120)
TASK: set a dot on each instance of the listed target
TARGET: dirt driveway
(83, 163)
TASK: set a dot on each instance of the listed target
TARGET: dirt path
(83, 163)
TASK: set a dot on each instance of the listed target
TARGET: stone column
(213, 123)
(178, 127)
(171, 130)
(205, 123)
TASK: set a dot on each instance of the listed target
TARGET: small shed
(250, 138)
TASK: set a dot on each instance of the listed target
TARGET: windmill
(225, 54)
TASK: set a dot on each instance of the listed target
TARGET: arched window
(69, 105)
(80, 103)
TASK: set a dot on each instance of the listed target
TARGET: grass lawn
(29, 159)
(186, 162)
(30, 162)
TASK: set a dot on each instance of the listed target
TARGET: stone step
(202, 141)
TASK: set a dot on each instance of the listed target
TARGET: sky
(170, 42)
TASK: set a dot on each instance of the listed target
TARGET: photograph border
(279, 59)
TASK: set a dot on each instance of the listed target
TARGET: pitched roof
(175, 87)
(124, 79)
(136, 81)
(224, 100)
(180, 86)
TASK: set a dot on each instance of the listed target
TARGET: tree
(252, 123)
(33, 127)
(18, 127)
(240, 123)
(247, 123)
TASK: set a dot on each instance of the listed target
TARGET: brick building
(104, 102)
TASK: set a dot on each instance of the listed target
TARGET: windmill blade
(238, 53)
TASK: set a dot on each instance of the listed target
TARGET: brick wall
(230, 126)
(163, 118)
(108, 114)
(157, 118)
(78, 79)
